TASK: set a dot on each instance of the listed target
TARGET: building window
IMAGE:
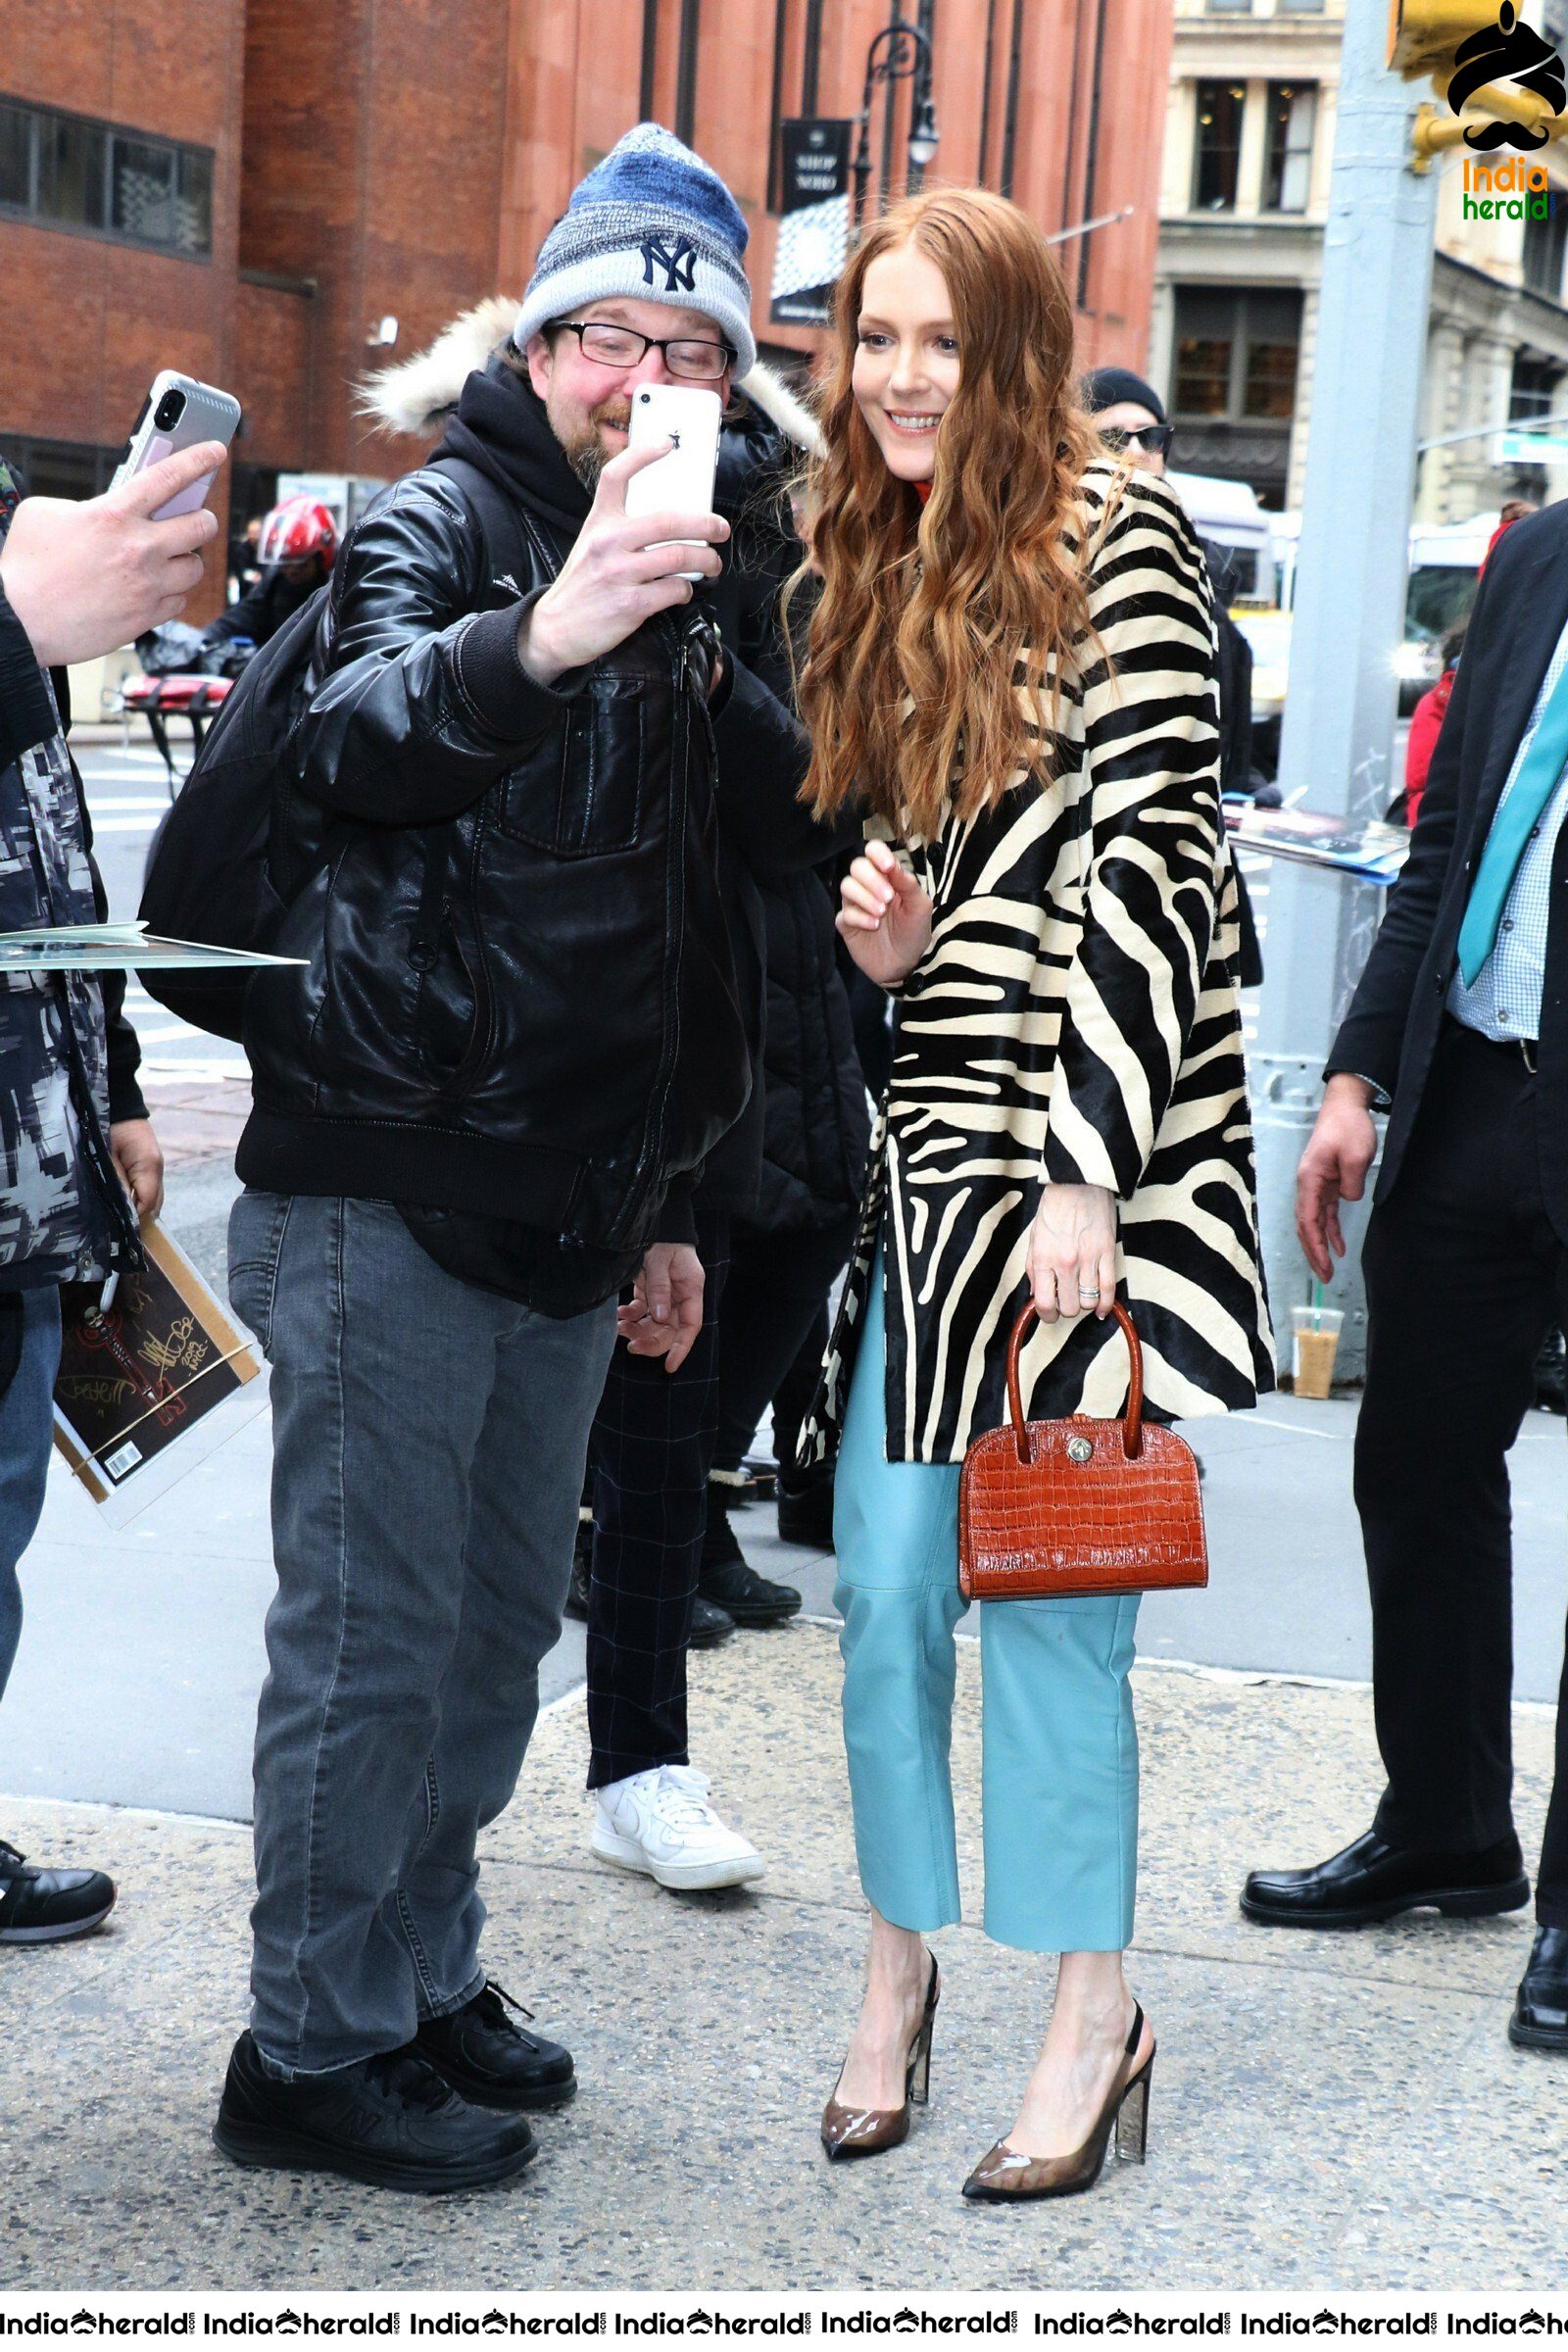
(1217, 150)
(1287, 162)
(1237, 352)
(1532, 390)
(1229, 8)
(65, 172)
(1203, 376)
(61, 468)
(1536, 395)
(1270, 386)
(1544, 244)
(1301, 8)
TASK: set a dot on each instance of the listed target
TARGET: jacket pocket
(452, 1017)
(587, 801)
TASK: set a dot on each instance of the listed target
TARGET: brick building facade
(248, 189)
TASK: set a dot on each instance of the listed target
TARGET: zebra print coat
(1075, 1018)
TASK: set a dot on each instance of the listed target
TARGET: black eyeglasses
(1155, 439)
(623, 347)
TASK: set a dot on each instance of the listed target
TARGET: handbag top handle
(1133, 1424)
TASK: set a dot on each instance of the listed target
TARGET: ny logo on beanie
(635, 229)
(677, 259)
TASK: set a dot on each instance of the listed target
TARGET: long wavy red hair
(941, 635)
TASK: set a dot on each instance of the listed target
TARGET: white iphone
(176, 414)
(681, 484)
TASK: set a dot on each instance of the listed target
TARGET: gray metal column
(1341, 701)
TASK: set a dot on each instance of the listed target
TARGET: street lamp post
(900, 52)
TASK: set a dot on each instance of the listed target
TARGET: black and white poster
(814, 231)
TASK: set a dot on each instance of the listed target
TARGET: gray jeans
(428, 1447)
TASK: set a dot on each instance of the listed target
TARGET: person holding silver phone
(79, 1157)
(479, 1105)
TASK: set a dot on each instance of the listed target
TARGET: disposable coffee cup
(1316, 1331)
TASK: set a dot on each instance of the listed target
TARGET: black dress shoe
(1372, 1880)
(392, 2120)
(1539, 2020)
(726, 1582)
(489, 2060)
(747, 1598)
(48, 1906)
(711, 1624)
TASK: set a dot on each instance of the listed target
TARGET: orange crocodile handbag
(1079, 1507)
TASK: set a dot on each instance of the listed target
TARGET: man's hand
(1339, 1153)
(615, 577)
(664, 1312)
(140, 1163)
(884, 917)
(1072, 1253)
(84, 576)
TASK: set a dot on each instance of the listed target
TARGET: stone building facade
(1244, 199)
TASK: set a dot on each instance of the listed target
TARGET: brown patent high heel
(867, 2131)
(1005, 2173)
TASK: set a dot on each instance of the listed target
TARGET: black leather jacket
(518, 996)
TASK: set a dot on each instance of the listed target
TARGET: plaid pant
(649, 1456)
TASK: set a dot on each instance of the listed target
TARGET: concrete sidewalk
(1329, 2112)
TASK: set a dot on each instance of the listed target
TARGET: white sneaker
(661, 1824)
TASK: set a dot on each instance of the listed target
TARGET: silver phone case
(210, 415)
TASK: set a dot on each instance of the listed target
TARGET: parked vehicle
(1229, 514)
(1445, 560)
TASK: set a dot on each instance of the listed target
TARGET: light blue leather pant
(1059, 1776)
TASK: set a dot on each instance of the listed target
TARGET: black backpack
(207, 875)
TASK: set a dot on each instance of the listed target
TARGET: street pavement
(1331, 2112)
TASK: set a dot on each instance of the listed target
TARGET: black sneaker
(392, 2120)
(49, 1906)
(490, 2060)
(806, 1515)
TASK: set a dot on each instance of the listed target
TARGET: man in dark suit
(1460, 1028)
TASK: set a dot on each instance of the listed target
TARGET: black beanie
(1104, 387)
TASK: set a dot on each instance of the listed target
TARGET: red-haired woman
(1011, 655)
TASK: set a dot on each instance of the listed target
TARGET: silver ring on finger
(1083, 1294)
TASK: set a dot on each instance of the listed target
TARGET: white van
(1445, 560)
(1228, 513)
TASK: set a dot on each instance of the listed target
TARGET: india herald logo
(677, 259)
(1508, 51)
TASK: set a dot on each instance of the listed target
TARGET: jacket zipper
(642, 1176)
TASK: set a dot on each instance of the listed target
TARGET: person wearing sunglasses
(1129, 416)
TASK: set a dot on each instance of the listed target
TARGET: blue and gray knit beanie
(652, 223)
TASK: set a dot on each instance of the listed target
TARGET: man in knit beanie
(525, 785)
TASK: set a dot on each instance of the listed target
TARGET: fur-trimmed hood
(416, 396)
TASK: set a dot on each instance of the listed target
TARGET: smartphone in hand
(681, 482)
(178, 413)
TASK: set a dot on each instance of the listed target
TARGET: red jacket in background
(1425, 724)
